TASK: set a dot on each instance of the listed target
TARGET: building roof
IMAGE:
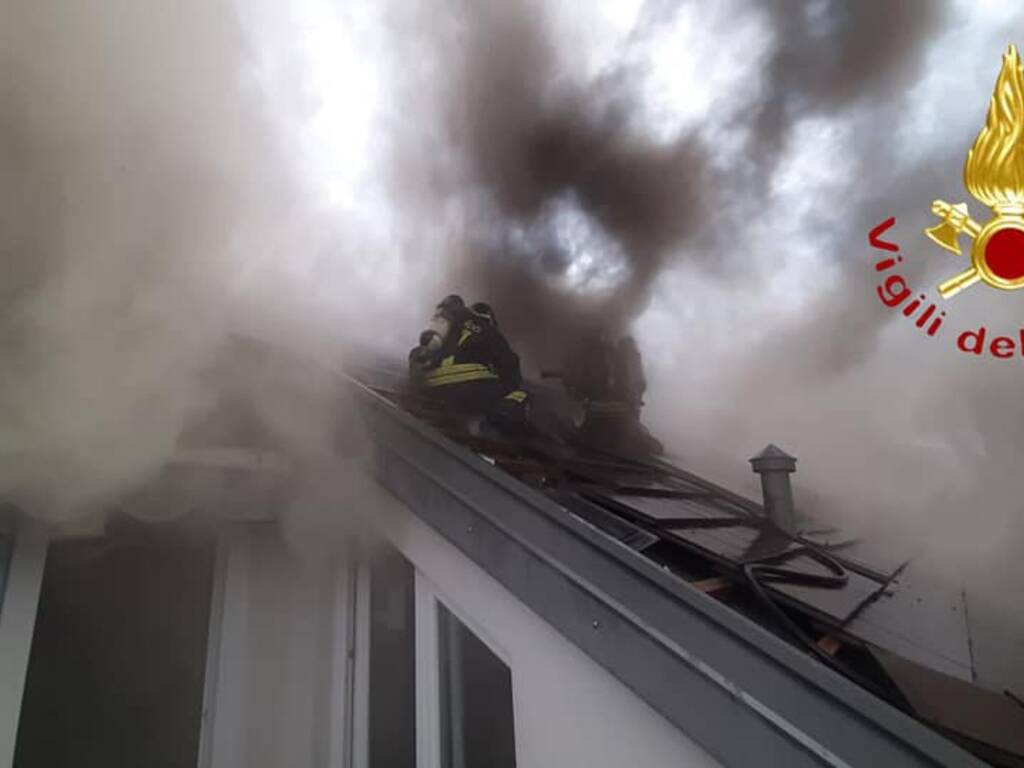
(766, 647)
(659, 551)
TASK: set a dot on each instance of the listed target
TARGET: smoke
(700, 173)
(577, 198)
(570, 213)
(154, 205)
(900, 437)
(724, 222)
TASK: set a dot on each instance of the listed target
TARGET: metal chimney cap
(773, 459)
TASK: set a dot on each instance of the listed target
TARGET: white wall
(276, 688)
(569, 712)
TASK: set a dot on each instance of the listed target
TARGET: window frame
(429, 721)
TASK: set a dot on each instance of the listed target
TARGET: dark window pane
(392, 737)
(478, 729)
(116, 671)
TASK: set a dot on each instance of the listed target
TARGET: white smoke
(318, 173)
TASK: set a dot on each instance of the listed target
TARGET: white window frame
(428, 683)
(428, 669)
(360, 715)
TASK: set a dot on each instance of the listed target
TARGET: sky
(701, 174)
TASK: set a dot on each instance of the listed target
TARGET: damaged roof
(841, 603)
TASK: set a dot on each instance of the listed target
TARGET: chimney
(774, 465)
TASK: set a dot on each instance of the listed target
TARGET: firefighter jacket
(471, 350)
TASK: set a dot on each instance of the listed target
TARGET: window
(477, 724)
(392, 717)
(115, 676)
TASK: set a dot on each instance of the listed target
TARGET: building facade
(466, 621)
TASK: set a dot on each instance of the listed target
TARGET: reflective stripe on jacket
(450, 372)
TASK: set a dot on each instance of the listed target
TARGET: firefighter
(629, 383)
(461, 359)
(427, 355)
(514, 405)
(589, 371)
(609, 380)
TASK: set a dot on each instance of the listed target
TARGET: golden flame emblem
(994, 174)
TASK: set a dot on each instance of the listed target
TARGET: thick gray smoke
(559, 190)
(150, 208)
(542, 151)
(733, 242)
(566, 173)
(702, 173)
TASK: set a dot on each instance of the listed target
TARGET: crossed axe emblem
(997, 255)
(994, 174)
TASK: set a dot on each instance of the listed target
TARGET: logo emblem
(994, 175)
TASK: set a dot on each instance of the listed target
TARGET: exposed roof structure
(815, 647)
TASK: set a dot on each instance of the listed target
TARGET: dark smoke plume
(831, 54)
(160, 191)
(528, 138)
(536, 145)
(821, 141)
